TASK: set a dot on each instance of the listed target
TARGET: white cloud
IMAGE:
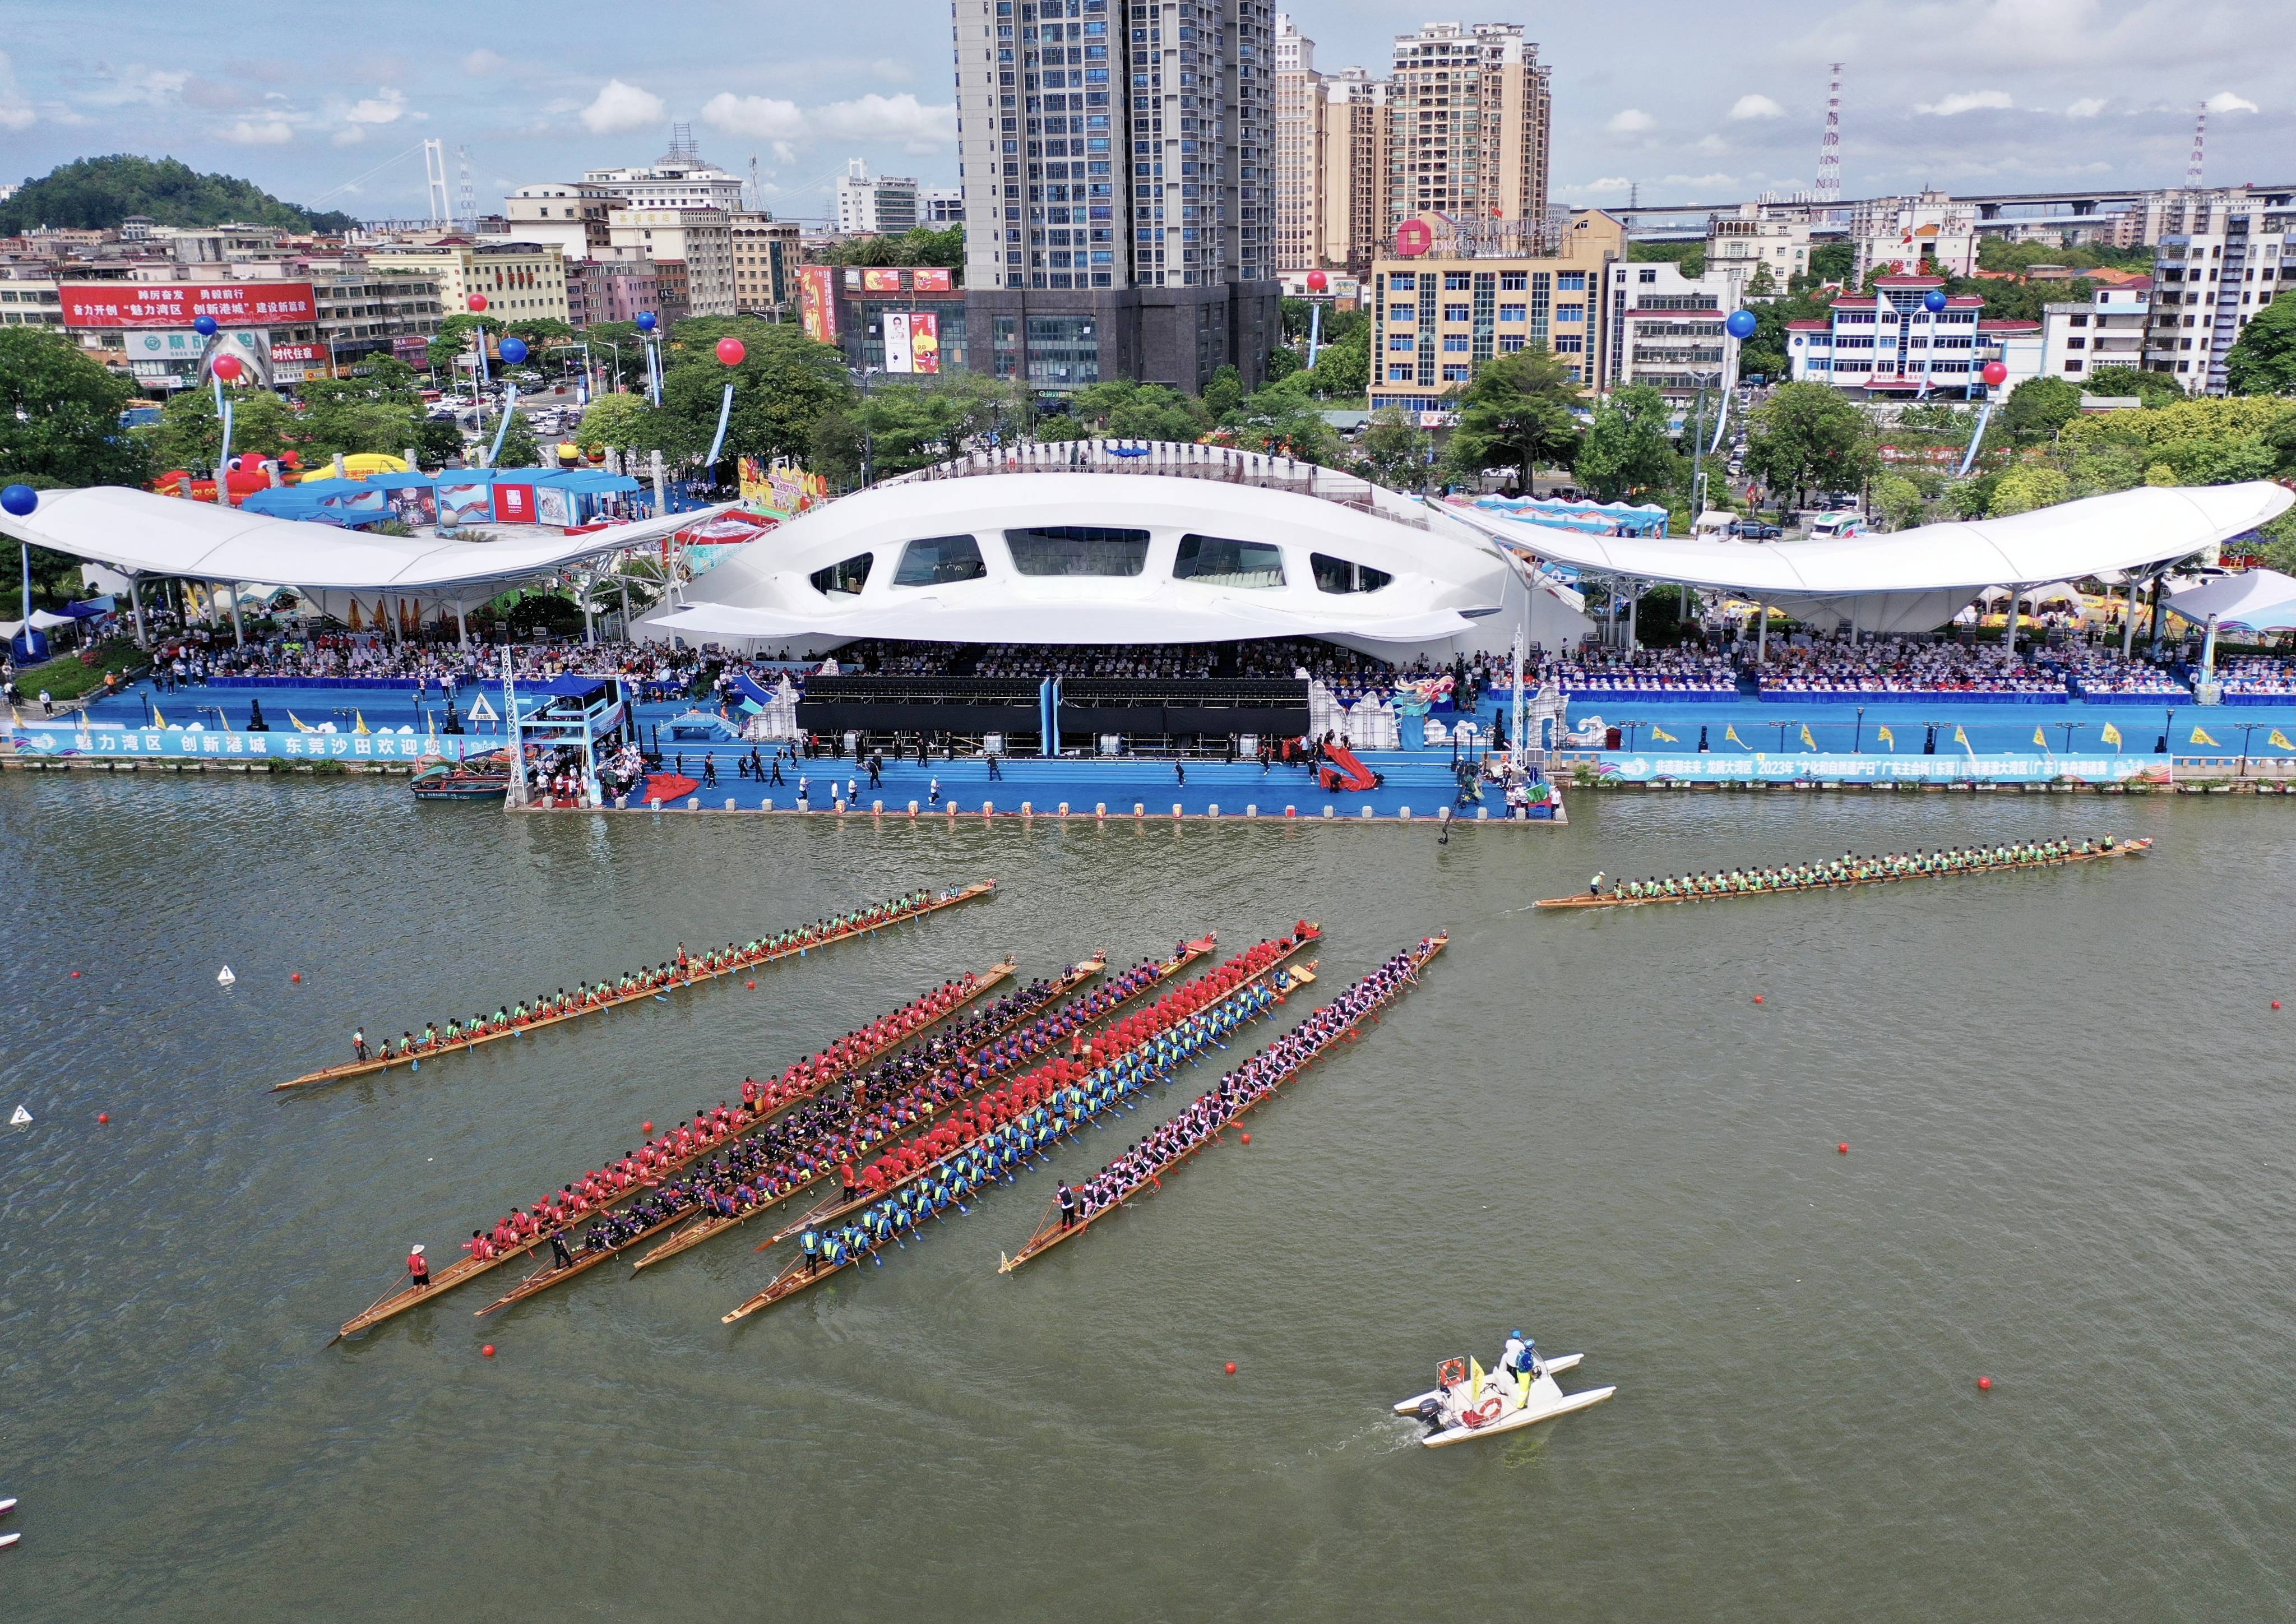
(350, 135)
(260, 132)
(1632, 121)
(1754, 105)
(2225, 102)
(1966, 101)
(136, 85)
(387, 105)
(875, 118)
(2087, 106)
(619, 109)
(765, 117)
(15, 112)
(1607, 186)
(483, 61)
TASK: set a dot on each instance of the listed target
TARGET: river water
(2066, 1096)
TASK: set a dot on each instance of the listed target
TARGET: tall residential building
(885, 205)
(572, 213)
(765, 263)
(1758, 238)
(700, 239)
(2226, 263)
(1468, 112)
(1118, 164)
(1352, 191)
(1298, 143)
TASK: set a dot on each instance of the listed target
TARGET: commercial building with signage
(899, 321)
(146, 328)
(521, 281)
(1444, 302)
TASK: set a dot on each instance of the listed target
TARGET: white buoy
(21, 1119)
(224, 976)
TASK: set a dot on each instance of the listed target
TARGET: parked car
(1751, 529)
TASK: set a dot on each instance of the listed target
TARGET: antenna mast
(1829, 147)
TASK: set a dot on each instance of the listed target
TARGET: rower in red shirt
(419, 1269)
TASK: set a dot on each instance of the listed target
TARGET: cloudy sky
(1695, 103)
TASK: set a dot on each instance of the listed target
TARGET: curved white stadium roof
(1446, 586)
(147, 533)
(2151, 525)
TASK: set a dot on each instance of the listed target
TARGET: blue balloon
(1933, 300)
(205, 326)
(647, 321)
(19, 500)
(513, 350)
(1742, 323)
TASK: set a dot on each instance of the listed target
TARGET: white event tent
(1916, 580)
(142, 535)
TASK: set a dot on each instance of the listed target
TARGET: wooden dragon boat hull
(694, 976)
(2131, 849)
(465, 1269)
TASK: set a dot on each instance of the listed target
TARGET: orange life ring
(1451, 1373)
(1483, 1413)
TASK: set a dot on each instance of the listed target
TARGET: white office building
(2107, 329)
(876, 205)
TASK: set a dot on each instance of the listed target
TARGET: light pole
(1698, 450)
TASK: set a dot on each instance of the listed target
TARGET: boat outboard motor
(1431, 1411)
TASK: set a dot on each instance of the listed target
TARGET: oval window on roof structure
(847, 576)
(935, 561)
(1078, 549)
(1215, 560)
(1345, 575)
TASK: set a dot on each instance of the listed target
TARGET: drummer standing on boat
(1595, 885)
(417, 1268)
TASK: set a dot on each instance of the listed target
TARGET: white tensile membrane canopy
(145, 534)
(2261, 600)
(1920, 579)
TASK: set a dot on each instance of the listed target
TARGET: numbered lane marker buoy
(20, 1118)
(224, 976)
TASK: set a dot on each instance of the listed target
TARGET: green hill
(96, 193)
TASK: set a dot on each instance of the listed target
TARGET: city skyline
(1976, 94)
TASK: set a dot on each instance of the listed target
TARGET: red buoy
(2275, 1004)
(1247, 1138)
(1842, 1150)
(75, 975)
(752, 985)
(1231, 1367)
(296, 977)
(649, 1128)
(104, 1116)
(489, 1350)
(1985, 1384)
(1758, 997)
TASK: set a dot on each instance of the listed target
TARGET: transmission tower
(434, 172)
(1829, 147)
(2193, 167)
(470, 210)
(757, 192)
(682, 147)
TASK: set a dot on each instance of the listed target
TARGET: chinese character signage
(881, 282)
(926, 280)
(817, 302)
(232, 304)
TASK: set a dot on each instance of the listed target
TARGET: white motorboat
(1471, 1402)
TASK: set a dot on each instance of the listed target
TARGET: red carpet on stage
(667, 787)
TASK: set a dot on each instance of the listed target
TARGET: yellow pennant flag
(2039, 739)
(1807, 742)
(362, 726)
(2110, 735)
(1660, 733)
(1959, 737)
(1884, 733)
(1730, 734)
(2200, 737)
(2279, 740)
(157, 719)
(1474, 1378)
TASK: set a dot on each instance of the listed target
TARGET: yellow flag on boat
(1808, 741)
(1474, 1378)
(2201, 737)
(1660, 733)
(2038, 740)
(2110, 735)
(1731, 735)
(1884, 733)
(2279, 740)
(362, 726)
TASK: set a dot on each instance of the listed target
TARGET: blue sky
(1695, 103)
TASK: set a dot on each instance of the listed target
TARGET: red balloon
(227, 367)
(1996, 373)
(478, 301)
(732, 351)
(1317, 282)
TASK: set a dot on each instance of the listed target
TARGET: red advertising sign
(927, 280)
(514, 504)
(881, 280)
(817, 302)
(1413, 238)
(178, 304)
(299, 355)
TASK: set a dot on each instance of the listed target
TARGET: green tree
(190, 435)
(1833, 262)
(624, 421)
(1342, 370)
(98, 193)
(617, 352)
(1809, 436)
(1394, 448)
(520, 448)
(1897, 499)
(1223, 393)
(785, 383)
(1283, 420)
(2038, 408)
(914, 425)
(2262, 360)
(1690, 256)
(2154, 389)
(2030, 485)
(1519, 412)
(1628, 446)
(928, 245)
(377, 410)
(1973, 498)
(453, 338)
(1125, 410)
(60, 414)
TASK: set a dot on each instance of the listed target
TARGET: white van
(1837, 527)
